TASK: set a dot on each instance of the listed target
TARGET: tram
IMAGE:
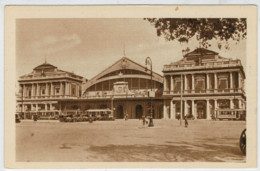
(100, 114)
(230, 114)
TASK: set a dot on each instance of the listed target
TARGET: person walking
(186, 121)
(126, 116)
(143, 118)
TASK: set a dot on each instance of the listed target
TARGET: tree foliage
(203, 29)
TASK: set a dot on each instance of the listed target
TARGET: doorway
(201, 110)
(138, 111)
(119, 112)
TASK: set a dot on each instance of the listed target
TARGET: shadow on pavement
(173, 152)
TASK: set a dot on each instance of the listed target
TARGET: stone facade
(41, 90)
(203, 82)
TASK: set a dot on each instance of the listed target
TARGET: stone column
(239, 80)
(215, 104)
(173, 110)
(164, 83)
(67, 89)
(207, 110)
(192, 83)
(164, 110)
(239, 103)
(171, 82)
(22, 107)
(36, 107)
(231, 82)
(37, 90)
(231, 103)
(185, 83)
(185, 107)
(215, 107)
(51, 94)
(46, 106)
(33, 90)
(207, 79)
(47, 89)
(61, 88)
(215, 82)
(23, 91)
(193, 109)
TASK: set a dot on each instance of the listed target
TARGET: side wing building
(202, 82)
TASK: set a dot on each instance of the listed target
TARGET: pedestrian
(186, 121)
(143, 118)
(178, 116)
(126, 116)
(147, 119)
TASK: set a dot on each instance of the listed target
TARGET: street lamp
(148, 61)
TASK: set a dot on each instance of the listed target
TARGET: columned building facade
(41, 90)
(197, 85)
(204, 82)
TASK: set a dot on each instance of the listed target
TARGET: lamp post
(148, 61)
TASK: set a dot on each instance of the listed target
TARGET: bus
(71, 116)
(100, 114)
(230, 114)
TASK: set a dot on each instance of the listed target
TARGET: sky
(88, 46)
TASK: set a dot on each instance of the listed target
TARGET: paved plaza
(129, 141)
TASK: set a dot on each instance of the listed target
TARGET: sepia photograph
(149, 88)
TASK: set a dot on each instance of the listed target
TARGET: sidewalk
(31, 120)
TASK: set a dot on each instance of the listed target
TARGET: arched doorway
(138, 111)
(201, 110)
(161, 111)
(119, 112)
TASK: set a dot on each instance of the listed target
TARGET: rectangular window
(57, 90)
(200, 84)
(223, 84)
(135, 83)
(43, 91)
(177, 85)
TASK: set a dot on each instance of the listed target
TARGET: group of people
(145, 119)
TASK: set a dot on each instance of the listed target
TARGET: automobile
(62, 118)
(85, 117)
(242, 142)
(68, 118)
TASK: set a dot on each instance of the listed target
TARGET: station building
(42, 90)
(123, 86)
(202, 80)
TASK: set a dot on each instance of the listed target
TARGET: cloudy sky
(88, 46)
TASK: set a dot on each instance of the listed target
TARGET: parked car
(242, 142)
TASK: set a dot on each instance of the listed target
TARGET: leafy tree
(202, 29)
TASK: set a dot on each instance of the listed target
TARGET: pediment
(123, 63)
